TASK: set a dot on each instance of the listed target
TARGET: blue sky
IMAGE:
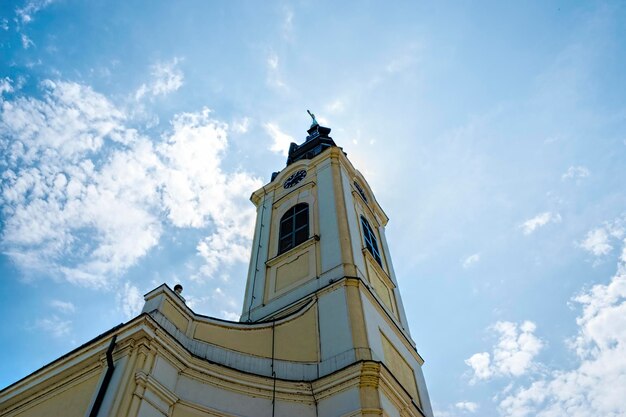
(493, 134)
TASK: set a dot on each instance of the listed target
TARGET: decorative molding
(370, 374)
(370, 412)
(298, 188)
(148, 382)
(291, 252)
(210, 412)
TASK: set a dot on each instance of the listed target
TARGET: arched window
(294, 227)
(370, 240)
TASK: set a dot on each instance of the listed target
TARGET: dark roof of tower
(316, 142)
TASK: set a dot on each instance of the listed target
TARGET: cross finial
(314, 123)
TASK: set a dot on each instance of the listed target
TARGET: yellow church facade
(322, 332)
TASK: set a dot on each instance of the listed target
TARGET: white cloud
(63, 306)
(72, 166)
(596, 385)
(513, 355)
(130, 300)
(281, 139)
(217, 303)
(335, 106)
(575, 172)
(4, 24)
(480, 364)
(467, 406)
(540, 220)
(55, 326)
(166, 78)
(274, 78)
(288, 25)
(194, 180)
(598, 240)
(53, 193)
(224, 247)
(516, 348)
(26, 41)
(229, 315)
(272, 61)
(30, 8)
(6, 85)
(197, 190)
(241, 125)
(471, 260)
(20, 82)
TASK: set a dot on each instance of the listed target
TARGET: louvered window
(370, 240)
(294, 227)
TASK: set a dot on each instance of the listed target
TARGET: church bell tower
(322, 333)
(320, 238)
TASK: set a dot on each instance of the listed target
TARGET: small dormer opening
(360, 191)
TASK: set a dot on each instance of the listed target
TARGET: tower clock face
(294, 178)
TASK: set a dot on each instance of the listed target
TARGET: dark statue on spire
(312, 117)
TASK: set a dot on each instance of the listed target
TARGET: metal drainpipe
(95, 408)
(273, 371)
